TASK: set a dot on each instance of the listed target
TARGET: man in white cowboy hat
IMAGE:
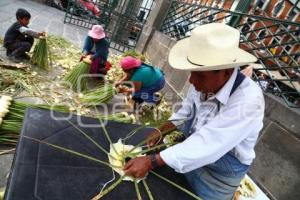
(221, 116)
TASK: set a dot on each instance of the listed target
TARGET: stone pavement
(5, 164)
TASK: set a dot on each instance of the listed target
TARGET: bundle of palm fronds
(77, 78)
(40, 54)
(102, 94)
(8, 138)
(11, 123)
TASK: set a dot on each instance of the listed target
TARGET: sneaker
(25, 56)
(8, 52)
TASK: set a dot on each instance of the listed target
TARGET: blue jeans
(219, 180)
(216, 181)
(147, 93)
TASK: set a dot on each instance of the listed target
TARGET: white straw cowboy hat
(211, 46)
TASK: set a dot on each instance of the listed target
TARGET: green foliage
(12, 122)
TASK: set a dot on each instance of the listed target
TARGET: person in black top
(19, 38)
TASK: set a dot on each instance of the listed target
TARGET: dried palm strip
(138, 194)
(109, 189)
(147, 189)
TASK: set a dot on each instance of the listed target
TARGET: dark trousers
(19, 47)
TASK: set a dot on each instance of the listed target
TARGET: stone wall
(157, 51)
(277, 165)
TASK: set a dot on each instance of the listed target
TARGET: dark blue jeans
(147, 93)
(219, 180)
(18, 48)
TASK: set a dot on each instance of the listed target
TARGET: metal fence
(275, 42)
(123, 20)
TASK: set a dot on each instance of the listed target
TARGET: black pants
(18, 48)
(101, 68)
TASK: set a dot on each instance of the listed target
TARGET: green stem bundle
(77, 78)
(102, 94)
(40, 54)
(12, 122)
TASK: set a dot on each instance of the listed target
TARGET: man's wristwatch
(154, 163)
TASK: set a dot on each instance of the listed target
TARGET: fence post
(157, 14)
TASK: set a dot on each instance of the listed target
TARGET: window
(244, 31)
(288, 48)
(250, 21)
(141, 15)
(297, 32)
(274, 41)
(262, 4)
(261, 36)
(293, 13)
(278, 8)
(297, 58)
(245, 28)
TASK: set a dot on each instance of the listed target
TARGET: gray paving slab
(277, 165)
(5, 165)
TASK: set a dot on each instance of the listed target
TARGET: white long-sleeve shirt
(235, 127)
(28, 31)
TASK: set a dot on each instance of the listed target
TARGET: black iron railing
(123, 20)
(275, 42)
